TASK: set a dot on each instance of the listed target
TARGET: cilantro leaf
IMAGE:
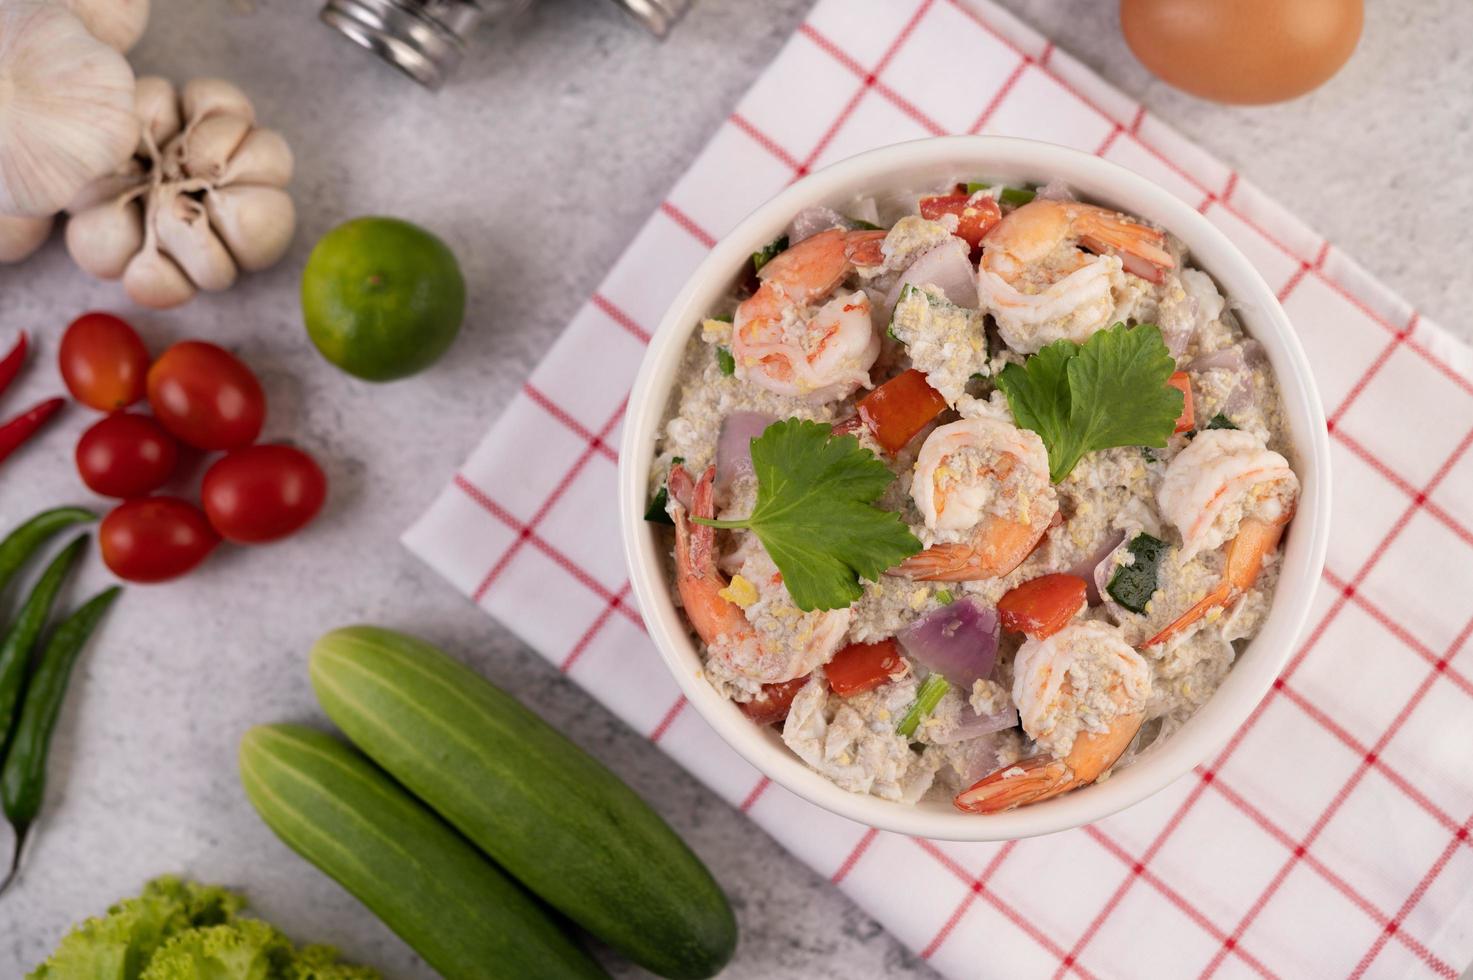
(815, 513)
(1111, 391)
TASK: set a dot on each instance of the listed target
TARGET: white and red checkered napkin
(1331, 836)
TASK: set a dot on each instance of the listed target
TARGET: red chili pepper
(11, 364)
(23, 426)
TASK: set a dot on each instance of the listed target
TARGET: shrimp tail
(1256, 539)
(997, 548)
(1043, 777)
(697, 578)
(1024, 782)
(863, 248)
(1140, 247)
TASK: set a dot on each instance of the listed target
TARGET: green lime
(382, 298)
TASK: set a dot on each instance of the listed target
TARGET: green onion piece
(932, 689)
(725, 361)
(724, 318)
(1220, 421)
(765, 255)
(1016, 196)
(973, 186)
(864, 225)
(1133, 585)
(945, 597)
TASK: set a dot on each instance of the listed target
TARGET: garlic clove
(157, 105)
(152, 279)
(66, 108)
(117, 23)
(203, 97)
(264, 158)
(256, 222)
(19, 237)
(184, 234)
(102, 239)
(204, 151)
(129, 177)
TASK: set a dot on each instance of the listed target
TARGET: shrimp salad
(1069, 596)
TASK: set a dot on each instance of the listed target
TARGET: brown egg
(1242, 51)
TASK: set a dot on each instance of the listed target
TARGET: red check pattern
(1330, 837)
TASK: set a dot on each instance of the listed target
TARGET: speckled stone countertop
(537, 165)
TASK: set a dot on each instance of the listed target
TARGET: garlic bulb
(66, 108)
(200, 201)
(117, 23)
(19, 237)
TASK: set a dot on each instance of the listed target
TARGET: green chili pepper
(23, 774)
(15, 649)
(1016, 196)
(1133, 585)
(657, 512)
(23, 542)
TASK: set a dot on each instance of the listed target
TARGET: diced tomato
(899, 408)
(973, 219)
(1182, 383)
(861, 667)
(772, 704)
(1042, 606)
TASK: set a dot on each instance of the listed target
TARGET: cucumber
(545, 810)
(456, 909)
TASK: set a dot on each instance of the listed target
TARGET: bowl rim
(927, 162)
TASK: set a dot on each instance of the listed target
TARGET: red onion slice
(811, 221)
(734, 446)
(949, 268)
(978, 758)
(1088, 567)
(957, 641)
(973, 725)
(1241, 359)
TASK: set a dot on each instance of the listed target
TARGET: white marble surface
(537, 165)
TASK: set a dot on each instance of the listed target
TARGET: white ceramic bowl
(917, 166)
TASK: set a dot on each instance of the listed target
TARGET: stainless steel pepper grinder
(426, 38)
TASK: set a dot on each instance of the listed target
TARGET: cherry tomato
(126, 455)
(1182, 382)
(206, 397)
(262, 493)
(103, 362)
(861, 667)
(974, 221)
(771, 704)
(153, 539)
(1042, 606)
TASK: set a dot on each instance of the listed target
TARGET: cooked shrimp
(781, 344)
(983, 487)
(1224, 477)
(789, 644)
(1255, 541)
(1081, 695)
(1041, 288)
